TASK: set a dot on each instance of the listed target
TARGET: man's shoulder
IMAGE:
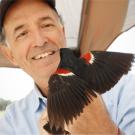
(20, 117)
(22, 104)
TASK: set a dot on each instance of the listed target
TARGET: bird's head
(68, 58)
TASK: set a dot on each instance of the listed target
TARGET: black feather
(106, 69)
(66, 99)
(68, 95)
(53, 131)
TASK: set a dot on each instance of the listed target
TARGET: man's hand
(94, 120)
(43, 120)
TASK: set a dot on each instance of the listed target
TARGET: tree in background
(3, 104)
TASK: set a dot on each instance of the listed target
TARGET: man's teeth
(43, 55)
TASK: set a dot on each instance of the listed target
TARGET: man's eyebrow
(18, 28)
(45, 18)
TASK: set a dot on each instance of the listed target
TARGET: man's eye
(22, 34)
(47, 25)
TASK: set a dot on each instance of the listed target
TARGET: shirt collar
(39, 99)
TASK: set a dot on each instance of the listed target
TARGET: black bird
(77, 80)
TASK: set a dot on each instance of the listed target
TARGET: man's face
(34, 34)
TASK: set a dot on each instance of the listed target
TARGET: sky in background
(15, 84)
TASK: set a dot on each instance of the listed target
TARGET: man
(32, 33)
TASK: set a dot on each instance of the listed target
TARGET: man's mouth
(43, 55)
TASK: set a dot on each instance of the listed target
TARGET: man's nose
(39, 39)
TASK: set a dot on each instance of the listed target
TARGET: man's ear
(6, 51)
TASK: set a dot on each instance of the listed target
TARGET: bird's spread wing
(78, 78)
(66, 91)
(105, 69)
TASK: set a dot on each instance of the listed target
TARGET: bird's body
(77, 80)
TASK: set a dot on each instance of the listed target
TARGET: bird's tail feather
(66, 99)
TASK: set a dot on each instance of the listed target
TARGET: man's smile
(46, 57)
(43, 55)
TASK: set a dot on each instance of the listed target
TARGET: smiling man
(32, 33)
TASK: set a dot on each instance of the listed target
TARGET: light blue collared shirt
(21, 118)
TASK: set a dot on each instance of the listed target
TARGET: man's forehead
(18, 12)
(20, 25)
